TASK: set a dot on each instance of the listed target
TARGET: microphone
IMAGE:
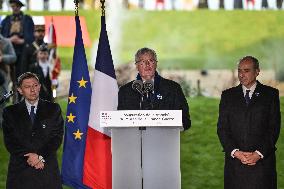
(137, 85)
(148, 86)
(6, 96)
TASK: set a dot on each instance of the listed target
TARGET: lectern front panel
(126, 158)
(161, 158)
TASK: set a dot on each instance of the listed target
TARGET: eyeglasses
(144, 62)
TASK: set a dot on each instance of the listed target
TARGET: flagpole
(76, 2)
(103, 7)
(77, 114)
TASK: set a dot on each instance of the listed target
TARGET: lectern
(145, 148)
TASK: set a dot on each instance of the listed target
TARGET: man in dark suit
(248, 129)
(33, 131)
(167, 94)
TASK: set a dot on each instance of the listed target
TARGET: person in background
(33, 132)
(42, 68)
(19, 28)
(30, 50)
(160, 4)
(248, 128)
(7, 57)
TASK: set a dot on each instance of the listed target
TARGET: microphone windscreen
(148, 86)
(137, 85)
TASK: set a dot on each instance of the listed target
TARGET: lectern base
(156, 161)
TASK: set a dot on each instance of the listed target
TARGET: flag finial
(103, 7)
(76, 2)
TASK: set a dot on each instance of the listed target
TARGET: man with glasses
(166, 94)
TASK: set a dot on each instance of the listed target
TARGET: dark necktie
(247, 96)
(32, 114)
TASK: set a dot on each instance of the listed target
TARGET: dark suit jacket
(43, 137)
(249, 128)
(28, 30)
(45, 90)
(168, 96)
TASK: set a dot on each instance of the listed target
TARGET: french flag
(97, 171)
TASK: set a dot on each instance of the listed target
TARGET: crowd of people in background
(210, 4)
(41, 5)
(22, 49)
(59, 5)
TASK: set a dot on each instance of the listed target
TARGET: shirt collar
(29, 105)
(146, 80)
(252, 89)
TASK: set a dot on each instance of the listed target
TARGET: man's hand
(251, 157)
(240, 155)
(40, 165)
(247, 158)
(34, 161)
(16, 40)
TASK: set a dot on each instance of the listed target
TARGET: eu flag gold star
(78, 135)
(71, 118)
(82, 83)
(72, 98)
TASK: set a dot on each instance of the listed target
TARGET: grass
(201, 153)
(205, 39)
(190, 39)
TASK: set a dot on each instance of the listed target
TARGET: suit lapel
(24, 116)
(240, 96)
(256, 93)
(39, 113)
(157, 96)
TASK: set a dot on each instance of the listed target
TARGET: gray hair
(145, 50)
(251, 59)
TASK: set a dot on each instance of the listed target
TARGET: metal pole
(103, 7)
(76, 2)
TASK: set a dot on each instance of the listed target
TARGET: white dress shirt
(29, 105)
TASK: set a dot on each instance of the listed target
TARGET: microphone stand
(141, 137)
(142, 108)
(144, 105)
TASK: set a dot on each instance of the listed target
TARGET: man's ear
(257, 72)
(20, 90)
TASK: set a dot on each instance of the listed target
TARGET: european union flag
(77, 117)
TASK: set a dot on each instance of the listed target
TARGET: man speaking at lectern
(150, 91)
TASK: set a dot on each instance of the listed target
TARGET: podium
(145, 148)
